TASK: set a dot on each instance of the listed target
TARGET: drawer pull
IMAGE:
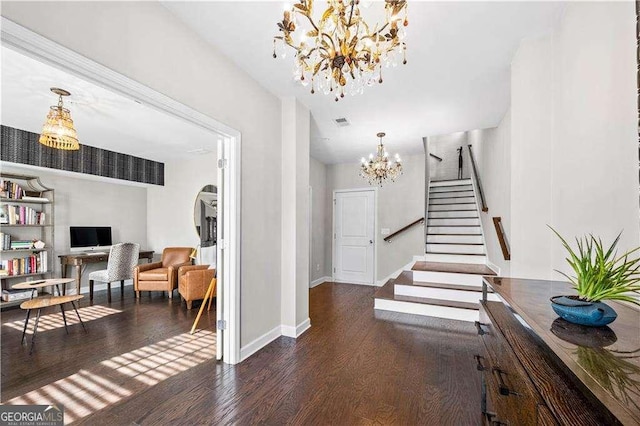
(502, 387)
(479, 365)
(481, 331)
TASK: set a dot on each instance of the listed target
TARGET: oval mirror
(205, 214)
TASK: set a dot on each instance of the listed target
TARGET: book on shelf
(21, 245)
(5, 241)
(24, 215)
(10, 189)
(33, 264)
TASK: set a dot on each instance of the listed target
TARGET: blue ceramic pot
(594, 314)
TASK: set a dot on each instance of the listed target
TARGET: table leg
(35, 331)
(63, 273)
(26, 322)
(64, 318)
(78, 314)
(78, 278)
(58, 288)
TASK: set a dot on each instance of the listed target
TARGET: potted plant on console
(600, 274)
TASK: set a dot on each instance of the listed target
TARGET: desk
(80, 259)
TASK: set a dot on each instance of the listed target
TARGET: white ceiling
(457, 76)
(102, 118)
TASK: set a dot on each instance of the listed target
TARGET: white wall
(170, 208)
(82, 200)
(143, 41)
(492, 148)
(595, 150)
(446, 147)
(399, 203)
(574, 142)
(295, 217)
(320, 267)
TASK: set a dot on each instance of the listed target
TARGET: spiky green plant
(601, 274)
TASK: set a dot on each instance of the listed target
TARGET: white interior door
(354, 236)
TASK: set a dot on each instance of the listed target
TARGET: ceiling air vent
(341, 122)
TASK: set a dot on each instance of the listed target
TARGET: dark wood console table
(540, 369)
(79, 259)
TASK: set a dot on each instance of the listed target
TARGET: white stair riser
(439, 189)
(435, 201)
(446, 194)
(442, 293)
(453, 230)
(454, 258)
(453, 221)
(469, 239)
(427, 310)
(456, 207)
(445, 215)
(447, 278)
(455, 248)
(434, 184)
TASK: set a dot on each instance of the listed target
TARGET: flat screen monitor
(89, 237)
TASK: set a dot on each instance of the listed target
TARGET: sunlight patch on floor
(109, 382)
(53, 321)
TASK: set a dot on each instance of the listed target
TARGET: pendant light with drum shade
(58, 131)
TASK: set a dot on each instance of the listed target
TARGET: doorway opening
(226, 140)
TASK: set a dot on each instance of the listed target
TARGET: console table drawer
(512, 394)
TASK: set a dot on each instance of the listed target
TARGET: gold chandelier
(58, 131)
(379, 168)
(341, 52)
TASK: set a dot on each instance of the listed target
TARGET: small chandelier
(377, 170)
(58, 131)
(341, 52)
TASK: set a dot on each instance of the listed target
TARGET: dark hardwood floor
(138, 365)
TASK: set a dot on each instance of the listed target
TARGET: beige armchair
(163, 275)
(193, 281)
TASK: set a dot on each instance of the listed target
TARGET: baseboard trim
(259, 343)
(297, 331)
(493, 267)
(319, 281)
(271, 335)
(98, 286)
(395, 274)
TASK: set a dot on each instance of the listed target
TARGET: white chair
(123, 258)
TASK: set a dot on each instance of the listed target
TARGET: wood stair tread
(456, 268)
(454, 235)
(406, 278)
(453, 226)
(453, 190)
(454, 244)
(386, 292)
(452, 180)
(455, 253)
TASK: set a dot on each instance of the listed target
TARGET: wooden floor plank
(354, 366)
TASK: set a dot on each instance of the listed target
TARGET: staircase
(447, 283)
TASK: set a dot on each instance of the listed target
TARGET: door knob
(370, 241)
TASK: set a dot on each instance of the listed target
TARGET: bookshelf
(22, 222)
